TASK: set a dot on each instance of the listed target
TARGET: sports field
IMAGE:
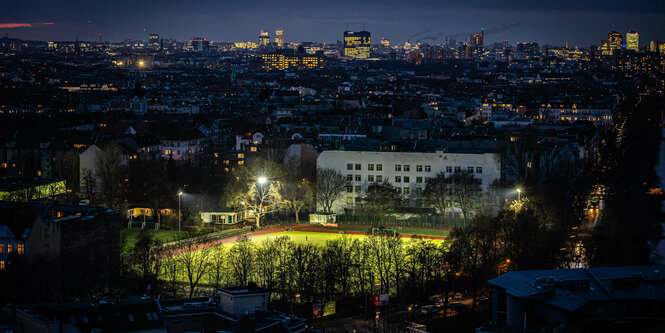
(317, 238)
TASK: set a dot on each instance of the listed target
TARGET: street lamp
(262, 180)
(519, 194)
(179, 211)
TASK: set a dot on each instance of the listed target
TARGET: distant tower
(632, 40)
(264, 38)
(279, 37)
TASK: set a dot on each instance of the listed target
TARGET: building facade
(284, 62)
(408, 172)
(357, 44)
(632, 41)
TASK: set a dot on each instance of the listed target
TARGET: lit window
(252, 149)
(2, 265)
(239, 155)
(241, 162)
(2, 248)
(9, 248)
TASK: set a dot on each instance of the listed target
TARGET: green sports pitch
(317, 238)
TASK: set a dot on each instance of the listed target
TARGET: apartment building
(408, 171)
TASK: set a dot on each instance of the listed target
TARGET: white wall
(438, 161)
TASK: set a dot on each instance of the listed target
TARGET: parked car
(458, 306)
(428, 309)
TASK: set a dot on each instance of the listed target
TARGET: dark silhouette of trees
(330, 185)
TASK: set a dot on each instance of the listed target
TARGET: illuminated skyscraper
(478, 39)
(632, 40)
(614, 42)
(264, 38)
(385, 42)
(357, 44)
(279, 37)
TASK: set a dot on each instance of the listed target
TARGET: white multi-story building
(408, 172)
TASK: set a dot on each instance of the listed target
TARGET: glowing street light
(262, 180)
(519, 194)
(179, 211)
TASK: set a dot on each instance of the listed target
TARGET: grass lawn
(318, 238)
(132, 234)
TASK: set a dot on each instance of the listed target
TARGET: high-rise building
(200, 44)
(279, 37)
(526, 51)
(264, 38)
(614, 42)
(385, 42)
(357, 44)
(632, 40)
(478, 39)
(153, 41)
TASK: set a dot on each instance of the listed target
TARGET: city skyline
(575, 23)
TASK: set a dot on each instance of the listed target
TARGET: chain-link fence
(405, 221)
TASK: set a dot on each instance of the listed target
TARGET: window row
(370, 167)
(9, 248)
(407, 168)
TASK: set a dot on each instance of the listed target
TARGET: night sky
(581, 22)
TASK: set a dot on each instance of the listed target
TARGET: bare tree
(217, 269)
(330, 184)
(110, 174)
(241, 261)
(193, 260)
(438, 192)
(171, 270)
(88, 182)
(297, 196)
(257, 187)
(467, 191)
(146, 255)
